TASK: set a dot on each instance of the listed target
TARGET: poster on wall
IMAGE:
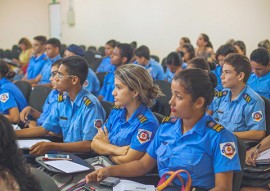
(55, 20)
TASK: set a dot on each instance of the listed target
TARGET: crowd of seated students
(128, 135)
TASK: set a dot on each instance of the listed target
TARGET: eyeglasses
(53, 73)
(61, 76)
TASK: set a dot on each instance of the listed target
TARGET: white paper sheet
(26, 144)
(67, 166)
(264, 157)
(128, 185)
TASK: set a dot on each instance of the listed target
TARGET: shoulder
(222, 93)
(169, 120)
(251, 97)
(212, 125)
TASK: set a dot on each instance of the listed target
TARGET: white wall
(22, 18)
(159, 24)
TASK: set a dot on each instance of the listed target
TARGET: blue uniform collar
(199, 127)
(52, 60)
(138, 111)
(41, 57)
(239, 98)
(79, 97)
(3, 80)
(266, 76)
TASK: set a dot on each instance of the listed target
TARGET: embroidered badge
(169, 119)
(87, 101)
(220, 94)
(142, 118)
(98, 123)
(257, 116)
(86, 83)
(247, 97)
(60, 98)
(116, 107)
(228, 149)
(215, 126)
(144, 136)
(4, 97)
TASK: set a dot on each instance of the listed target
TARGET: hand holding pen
(252, 155)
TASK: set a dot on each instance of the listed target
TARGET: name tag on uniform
(63, 118)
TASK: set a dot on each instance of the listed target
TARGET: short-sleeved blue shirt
(218, 72)
(205, 150)
(10, 97)
(261, 85)
(108, 87)
(246, 112)
(169, 75)
(46, 70)
(35, 66)
(92, 83)
(155, 69)
(138, 131)
(106, 65)
(75, 122)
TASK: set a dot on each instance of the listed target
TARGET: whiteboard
(55, 21)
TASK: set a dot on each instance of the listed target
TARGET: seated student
(240, 47)
(205, 48)
(259, 81)
(38, 60)
(74, 115)
(174, 64)
(221, 53)
(53, 47)
(121, 55)
(155, 69)
(106, 65)
(238, 107)
(48, 106)
(182, 42)
(188, 54)
(131, 123)
(12, 101)
(91, 83)
(251, 156)
(192, 140)
(14, 173)
(200, 63)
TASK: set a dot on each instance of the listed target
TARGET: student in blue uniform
(192, 140)
(121, 55)
(131, 125)
(174, 64)
(221, 53)
(12, 100)
(48, 106)
(142, 55)
(38, 60)
(74, 115)
(52, 47)
(91, 83)
(238, 107)
(106, 65)
(259, 81)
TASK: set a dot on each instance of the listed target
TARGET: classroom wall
(159, 24)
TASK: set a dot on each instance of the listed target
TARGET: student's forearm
(35, 113)
(31, 132)
(12, 119)
(251, 135)
(265, 144)
(103, 148)
(81, 146)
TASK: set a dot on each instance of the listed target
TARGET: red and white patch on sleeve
(228, 149)
(4, 97)
(98, 123)
(144, 136)
(257, 116)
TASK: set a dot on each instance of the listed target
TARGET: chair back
(25, 88)
(101, 76)
(108, 106)
(159, 117)
(45, 181)
(267, 114)
(164, 100)
(38, 97)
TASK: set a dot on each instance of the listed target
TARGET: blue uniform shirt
(106, 65)
(75, 122)
(46, 70)
(218, 72)
(108, 87)
(246, 112)
(261, 85)
(91, 83)
(10, 97)
(35, 66)
(48, 106)
(169, 75)
(205, 150)
(155, 69)
(138, 131)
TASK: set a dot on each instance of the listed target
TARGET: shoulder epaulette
(214, 125)
(86, 101)
(247, 98)
(220, 94)
(169, 120)
(60, 97)
(116, 107)
(142, 118)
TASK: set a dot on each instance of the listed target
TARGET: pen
(256, 151)
(92, 188)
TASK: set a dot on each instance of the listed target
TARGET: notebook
(264, 157)
(67, 166)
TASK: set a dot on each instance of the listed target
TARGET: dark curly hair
(11, 161)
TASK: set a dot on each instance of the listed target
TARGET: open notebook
(28, 143)
(264, 157)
